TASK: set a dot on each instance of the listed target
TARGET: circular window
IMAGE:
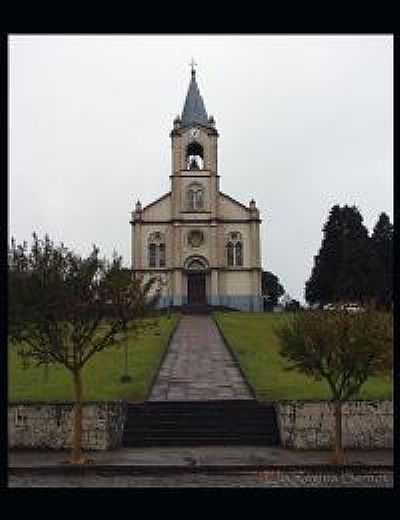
(196, 238)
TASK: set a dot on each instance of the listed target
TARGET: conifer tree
(353, 280)
(320, 287)
(271, 287)
(342, 268)
(382, 259)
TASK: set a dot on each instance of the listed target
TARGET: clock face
(194, 132)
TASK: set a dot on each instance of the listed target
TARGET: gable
(160, 209)
(230, 208)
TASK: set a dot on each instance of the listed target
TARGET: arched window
(234, 249)
(161, 250)
(238, 253)
(195, 197)
(152, 255)
(194, 156)
(229, 249)
(156, 249)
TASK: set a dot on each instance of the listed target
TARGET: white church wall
(229, 209)
(235, 282)
(161, 210)
(236, 291)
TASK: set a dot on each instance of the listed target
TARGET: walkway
(241, 466)
(198, 366)
(224, 456)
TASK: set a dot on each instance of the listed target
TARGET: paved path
(204, 466)
(190, 479)
(201, 455)
(198, 366)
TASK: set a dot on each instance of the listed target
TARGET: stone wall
(310, 425)
(49, 426)
(302, 424)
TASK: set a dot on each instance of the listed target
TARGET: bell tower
(194, 157)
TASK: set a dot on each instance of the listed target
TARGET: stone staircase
(202, 308)
(196, 423)
(197, 308)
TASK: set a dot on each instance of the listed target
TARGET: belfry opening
(194, 156)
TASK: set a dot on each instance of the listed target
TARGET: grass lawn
(251, 336)
(101, 375)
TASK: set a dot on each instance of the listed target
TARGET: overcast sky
(305, 122)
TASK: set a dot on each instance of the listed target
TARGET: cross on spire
(194, 111)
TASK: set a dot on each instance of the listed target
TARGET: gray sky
(305, 122)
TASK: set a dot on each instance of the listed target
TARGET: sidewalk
(204, 456)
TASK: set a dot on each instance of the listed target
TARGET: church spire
(194, 110)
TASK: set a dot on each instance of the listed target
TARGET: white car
(352, 307)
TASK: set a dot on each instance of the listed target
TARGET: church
(201, 244)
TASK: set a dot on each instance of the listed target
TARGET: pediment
(231, 208)
(159, 209)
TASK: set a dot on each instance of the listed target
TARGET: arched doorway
(196, 269)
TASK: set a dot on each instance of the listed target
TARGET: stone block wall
(49, 425)
(310, 425)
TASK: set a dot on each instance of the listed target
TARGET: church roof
(194, 110)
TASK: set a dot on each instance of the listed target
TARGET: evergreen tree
(353, 281)
(382, 261)
(342, 267)
(320, 287)
(271, 287)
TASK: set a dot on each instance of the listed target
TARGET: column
(214, 287)
(178, 288)
(138, 254)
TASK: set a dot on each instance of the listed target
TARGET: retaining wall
(302, 424)
(49, 425)
(311, 425)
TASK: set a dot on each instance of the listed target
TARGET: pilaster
(214, 287)
(178, 288)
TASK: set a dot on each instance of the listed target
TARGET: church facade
(201, 244)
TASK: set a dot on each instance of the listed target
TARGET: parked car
(350, 307)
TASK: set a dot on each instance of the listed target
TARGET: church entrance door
(196, 288)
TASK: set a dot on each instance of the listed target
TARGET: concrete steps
(198, 308)
(194, 423)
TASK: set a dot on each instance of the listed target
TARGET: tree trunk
(339, 453)
(77, 456)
